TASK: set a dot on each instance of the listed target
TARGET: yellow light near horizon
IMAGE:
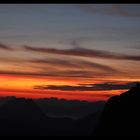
(14, 82)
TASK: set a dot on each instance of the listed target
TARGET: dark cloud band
(84, 53)
(5, 47)
(87, 87)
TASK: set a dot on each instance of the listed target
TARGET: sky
(71, 51)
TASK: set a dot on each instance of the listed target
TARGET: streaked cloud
(84, 53)
(124, 10)
(86, 87)
(75, 64)
(55, 67)
(5, 47)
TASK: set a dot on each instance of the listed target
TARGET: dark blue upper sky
(91, 25)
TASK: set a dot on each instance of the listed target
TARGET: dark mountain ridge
(121, 115)
(23, 117)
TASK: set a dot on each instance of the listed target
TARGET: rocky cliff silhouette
(121, 115)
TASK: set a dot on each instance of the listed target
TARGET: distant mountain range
(23, 117)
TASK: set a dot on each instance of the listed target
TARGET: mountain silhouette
(21, 109)
(121, 115)
(88, 123)
(21, 117)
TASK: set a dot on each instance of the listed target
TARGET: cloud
(64, 74)
(75, 64)
(86, 87)
(37, 74)
(123, 10)
(74, 68)
(135, 47)
(58, 67)
(70, 74)
(5, 47)
(47, 74)
(84, 53)
(17, 73)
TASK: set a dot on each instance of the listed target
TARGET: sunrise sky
(72, 51)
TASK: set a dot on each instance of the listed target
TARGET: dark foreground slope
(121, 116)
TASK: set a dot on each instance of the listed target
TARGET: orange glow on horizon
(23, 87)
